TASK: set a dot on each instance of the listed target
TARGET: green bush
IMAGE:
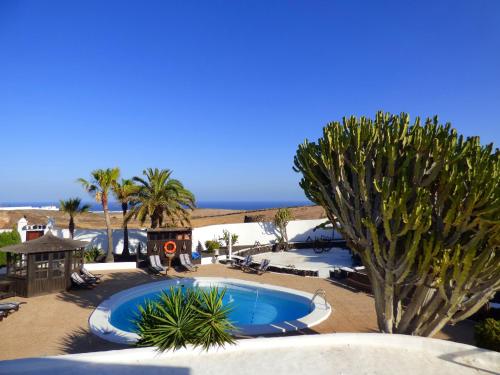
(487, 334)
(225, 238)
(92, 254)
(212, 245)
(6, 239)
(195, 316)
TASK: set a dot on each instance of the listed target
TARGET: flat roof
(337, 353)
(155, 230)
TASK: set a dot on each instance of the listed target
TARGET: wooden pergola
(43, 265)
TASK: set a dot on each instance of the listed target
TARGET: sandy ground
(58, 323)
(199, 217)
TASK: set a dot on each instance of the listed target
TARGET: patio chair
(186, 263)
(10, 306)
(246, 264)
(263, 266)
(78, 281)
(157, 263)
(89, 277)
(152, 267)
(87, 273)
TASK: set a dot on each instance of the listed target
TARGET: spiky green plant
(421, 207)
(100, 185)
(281, 219)
(211, 319)
(178, 318)
(225, 238)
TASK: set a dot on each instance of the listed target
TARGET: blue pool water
(251, 306)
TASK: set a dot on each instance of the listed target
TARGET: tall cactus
(420, 205)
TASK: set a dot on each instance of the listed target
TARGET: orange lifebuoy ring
(169, 247)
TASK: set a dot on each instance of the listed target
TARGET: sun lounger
(157, 263)
(263, 266)
(78, 281)
(10, 306)
(3, 314)
(89, 277)
(89, 274)
(186, 263)
(153, 268)
(246, 264)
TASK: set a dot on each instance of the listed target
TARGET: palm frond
(177, 318)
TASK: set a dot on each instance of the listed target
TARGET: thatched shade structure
(43, 265)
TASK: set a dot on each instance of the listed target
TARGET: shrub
(92, 254)
(225, 238)
(281, 219)
(212, 245)
(6, 239)
(176, 319)
(487, 334)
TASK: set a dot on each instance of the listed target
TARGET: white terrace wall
(248, 234)
(264, 232)
(98, 238)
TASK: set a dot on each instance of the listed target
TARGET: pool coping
(100, 325)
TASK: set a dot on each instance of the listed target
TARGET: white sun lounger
(157, 263)
(186, 263)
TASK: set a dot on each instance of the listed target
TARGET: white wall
(248, 234)
(98, 238)
(265, 232)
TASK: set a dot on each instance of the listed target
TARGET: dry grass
(199, 217)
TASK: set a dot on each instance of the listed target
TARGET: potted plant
(213, 246)
(225, 238)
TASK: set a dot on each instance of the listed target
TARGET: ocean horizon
(116, 206)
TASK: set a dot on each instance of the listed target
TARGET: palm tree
(125, 192)
(162, 199)
(100, 184)
(72, 208)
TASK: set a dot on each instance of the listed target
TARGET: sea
(116, 206)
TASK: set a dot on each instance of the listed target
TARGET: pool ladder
(319, 293)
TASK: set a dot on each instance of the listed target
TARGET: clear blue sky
(222, 92)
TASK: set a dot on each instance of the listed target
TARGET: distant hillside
(200, 217)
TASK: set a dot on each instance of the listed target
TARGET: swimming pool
(257, 308)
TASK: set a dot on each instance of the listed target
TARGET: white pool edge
(100, 325)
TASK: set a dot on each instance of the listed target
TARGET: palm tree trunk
(125, 252)
(71, 227)
(109, 255)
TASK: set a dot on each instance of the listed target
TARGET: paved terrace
(58, 323)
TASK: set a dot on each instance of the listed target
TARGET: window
(19, 265)
(41, 266)
(58, 261)
(76, 259)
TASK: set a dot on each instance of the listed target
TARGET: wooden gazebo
(43, 265)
